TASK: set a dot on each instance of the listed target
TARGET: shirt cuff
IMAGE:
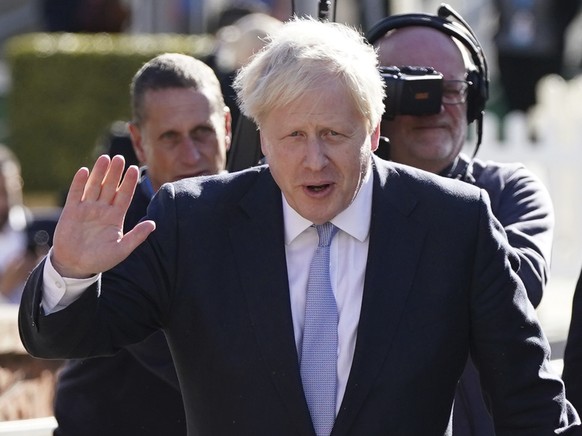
(58, 291)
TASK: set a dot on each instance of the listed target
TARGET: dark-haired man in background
(180, 128)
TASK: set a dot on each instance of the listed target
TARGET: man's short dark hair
(174, 70)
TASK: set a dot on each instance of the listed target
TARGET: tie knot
(326, 232)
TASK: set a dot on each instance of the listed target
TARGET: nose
(190, 151)
(315, 155)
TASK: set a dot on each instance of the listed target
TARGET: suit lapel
(258, 242)
(395, 245)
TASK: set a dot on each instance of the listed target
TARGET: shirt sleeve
(58, 291)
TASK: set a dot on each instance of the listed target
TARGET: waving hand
(89, 235)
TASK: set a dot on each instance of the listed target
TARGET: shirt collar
(146, 183)
(354, 220)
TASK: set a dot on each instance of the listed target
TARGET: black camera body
(412, 91)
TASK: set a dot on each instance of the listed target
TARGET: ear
(136, 141)
(375, 138)
(264, 146)
(227, 127)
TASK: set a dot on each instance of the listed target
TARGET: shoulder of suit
(219, 179)
(196, 186)
(496, 176)
(490, 166)
(418, 179)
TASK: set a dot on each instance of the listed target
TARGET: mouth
(317, 189)
(434, 124)
(428, 126)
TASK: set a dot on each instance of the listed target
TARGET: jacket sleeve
(523, 206)
(52, 336)
(128, 303)
(509, 347)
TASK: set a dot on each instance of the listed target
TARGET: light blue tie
(319, 348)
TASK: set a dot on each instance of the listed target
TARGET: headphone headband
(461, 31)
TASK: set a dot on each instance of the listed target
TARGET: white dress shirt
(348, 258)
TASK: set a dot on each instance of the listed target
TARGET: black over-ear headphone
(478, 92)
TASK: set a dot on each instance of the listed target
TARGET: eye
(332, 134)
(455, 91)
(169, 139)
(202, 133)
(168, 136)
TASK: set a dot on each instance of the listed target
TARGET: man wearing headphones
(432, 139)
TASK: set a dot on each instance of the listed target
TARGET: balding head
(423, 46)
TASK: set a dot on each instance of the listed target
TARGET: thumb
(137, 235)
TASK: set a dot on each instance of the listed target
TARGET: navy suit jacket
(439, 282)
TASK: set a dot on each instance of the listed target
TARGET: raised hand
(89, 236)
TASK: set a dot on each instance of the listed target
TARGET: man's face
(180, 136)
(318, 149)
(430, 142)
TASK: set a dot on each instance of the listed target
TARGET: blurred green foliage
(67, 89)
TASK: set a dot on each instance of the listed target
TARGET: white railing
(555, 156)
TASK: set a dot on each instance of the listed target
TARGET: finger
(74, 198)
(93, 186)
(126, 188)
(77, 187)
(112, 178)
(136, 236)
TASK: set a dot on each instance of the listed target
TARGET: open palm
(89, 235)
